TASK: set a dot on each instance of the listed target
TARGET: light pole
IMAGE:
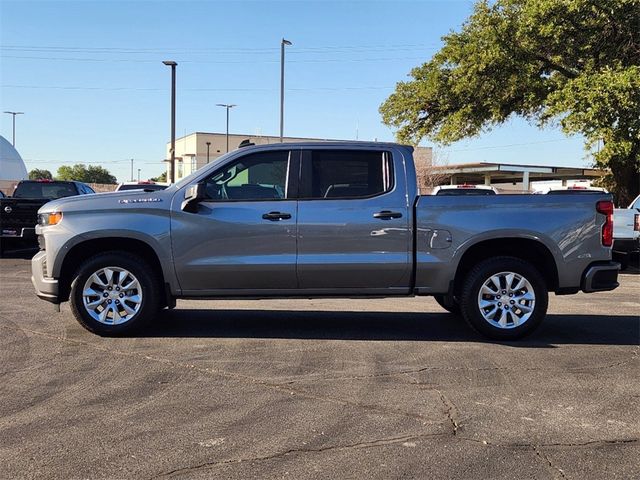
(282, 45)
(132, 169)
(14, 124)
(227, 106)
(173, 65)
(139, 175)
(208, 145)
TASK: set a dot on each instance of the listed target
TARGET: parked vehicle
(569, 190)
(19, 213)
(626, 232)
(464, 189)
(306, 220)
(146, 186)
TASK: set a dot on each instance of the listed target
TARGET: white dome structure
(11, 165)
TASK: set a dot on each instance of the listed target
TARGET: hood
(109, 201)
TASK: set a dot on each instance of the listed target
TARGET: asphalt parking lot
(330, 389)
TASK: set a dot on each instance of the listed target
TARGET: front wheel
(114, 293)
(504, 298)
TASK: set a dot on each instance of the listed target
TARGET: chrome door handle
(387, 215)
(273, 216)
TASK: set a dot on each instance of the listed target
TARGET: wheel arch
(531, 250)
(90, 247)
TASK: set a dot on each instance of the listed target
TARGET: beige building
(196, 149)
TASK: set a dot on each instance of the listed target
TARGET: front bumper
(26, 233)
(46, 288)
(600, 277)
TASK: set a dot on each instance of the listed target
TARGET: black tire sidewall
(475, 280)
(139, 268)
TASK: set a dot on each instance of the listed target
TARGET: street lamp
(173, 65)
(227, 106)
(208, 145)
(139, 175)
(14, 124)
(282, 45)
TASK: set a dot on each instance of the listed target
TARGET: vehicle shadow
(386, 326)
(20, 253)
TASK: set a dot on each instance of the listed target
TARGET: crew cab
(19, 213)
(334, 219)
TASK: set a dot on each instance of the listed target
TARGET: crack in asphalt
(556, 471)
(293, 451)
(451, 411)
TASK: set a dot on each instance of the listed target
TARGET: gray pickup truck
(340, 219)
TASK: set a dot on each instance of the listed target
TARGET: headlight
(46, 219)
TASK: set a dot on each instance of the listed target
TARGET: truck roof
(321, 143)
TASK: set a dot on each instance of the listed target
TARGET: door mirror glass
(193, 194)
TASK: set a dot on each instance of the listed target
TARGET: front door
(243, 235)
(354, 230)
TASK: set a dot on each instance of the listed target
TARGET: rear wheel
(114, 293)
(448, 303)
(504, 298)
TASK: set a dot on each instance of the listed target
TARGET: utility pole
(227, 106)
(282, 45)
(173, 65)
(208, 145)
(14, 124)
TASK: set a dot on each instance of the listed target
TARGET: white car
(626, 232)
(464, 189)
(574, 189)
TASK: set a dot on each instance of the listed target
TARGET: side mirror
(193, 194)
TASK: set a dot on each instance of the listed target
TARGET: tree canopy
(572, 63)
(40, 174)
(82, 173)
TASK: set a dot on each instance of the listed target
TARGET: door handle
(276, 216)
(387, 215)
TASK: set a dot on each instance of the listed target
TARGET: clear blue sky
(89, 77)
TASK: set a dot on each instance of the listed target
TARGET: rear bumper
(46, 288)
(600, 277)
(626, 246)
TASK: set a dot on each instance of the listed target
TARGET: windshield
(51, 190)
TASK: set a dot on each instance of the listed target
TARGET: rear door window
(332, 174)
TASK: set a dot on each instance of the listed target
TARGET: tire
(514, 310)
(448, 303)
(111, 310)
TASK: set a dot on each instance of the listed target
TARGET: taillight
(636, 222)
(605, 207)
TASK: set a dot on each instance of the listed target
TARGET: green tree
(572, 63)
(40, 174)
(162, 178)
(82, 173)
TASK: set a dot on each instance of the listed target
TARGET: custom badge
(140, 200)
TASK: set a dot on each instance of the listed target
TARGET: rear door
(354, 234)
(243, 235)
